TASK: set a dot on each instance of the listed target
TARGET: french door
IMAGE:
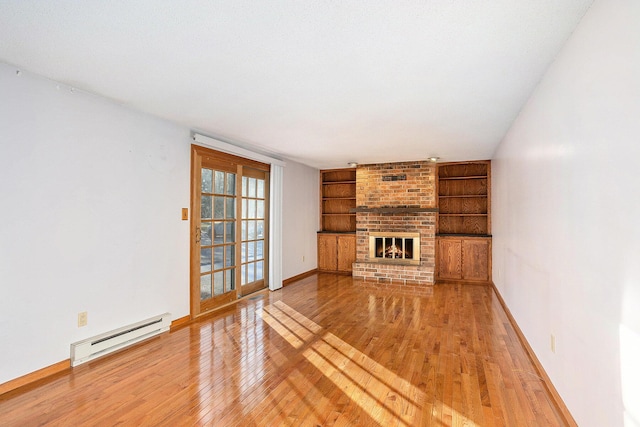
(229, 228)
(253, 253)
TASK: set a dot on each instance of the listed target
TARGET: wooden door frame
(198, 153)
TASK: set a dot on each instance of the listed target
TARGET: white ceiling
(322, 82)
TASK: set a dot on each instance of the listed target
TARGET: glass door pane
(253, 254)
(218, 239)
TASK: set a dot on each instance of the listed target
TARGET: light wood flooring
(323, 351)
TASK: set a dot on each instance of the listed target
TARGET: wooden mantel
(393, 209)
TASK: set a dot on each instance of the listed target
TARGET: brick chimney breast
(396, 197)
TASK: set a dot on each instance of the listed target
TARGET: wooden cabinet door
(346, 252)
(449, 259)
(475, 259)
(327, 252)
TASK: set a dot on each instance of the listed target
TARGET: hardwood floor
(323, 351)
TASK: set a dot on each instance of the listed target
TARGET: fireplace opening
(394, 247)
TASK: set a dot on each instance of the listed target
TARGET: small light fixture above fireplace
(352, 164)
(394, 248)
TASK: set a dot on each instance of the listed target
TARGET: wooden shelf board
(451, 178)
(337, 182)
(463, 214)
(336, 214)
(338, 198)
(335, 232)
(484, 236)
(464, 195)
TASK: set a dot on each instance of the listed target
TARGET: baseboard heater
(103, 344)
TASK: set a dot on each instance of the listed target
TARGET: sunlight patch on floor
(382, 394)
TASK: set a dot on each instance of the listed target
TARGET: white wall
(566, 209)
(91, 194)
(300, 219)
(90, 201)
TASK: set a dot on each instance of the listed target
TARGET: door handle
(198, 234)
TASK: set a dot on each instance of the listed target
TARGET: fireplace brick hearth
(396, 197)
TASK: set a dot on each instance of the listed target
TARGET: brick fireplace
(396, 198)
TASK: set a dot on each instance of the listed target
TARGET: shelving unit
(338, 192)
(463, 251)
(463, 198)
(337, 239)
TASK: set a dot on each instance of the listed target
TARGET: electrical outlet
(302, 258)
(82, 319)
(553, 343)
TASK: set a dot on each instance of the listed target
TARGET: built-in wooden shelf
(336, 238)
(463, 244)
(337, 200)
(463, 198)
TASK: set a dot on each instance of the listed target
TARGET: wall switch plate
(185, 214)
(82, 319)
(553, 343)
